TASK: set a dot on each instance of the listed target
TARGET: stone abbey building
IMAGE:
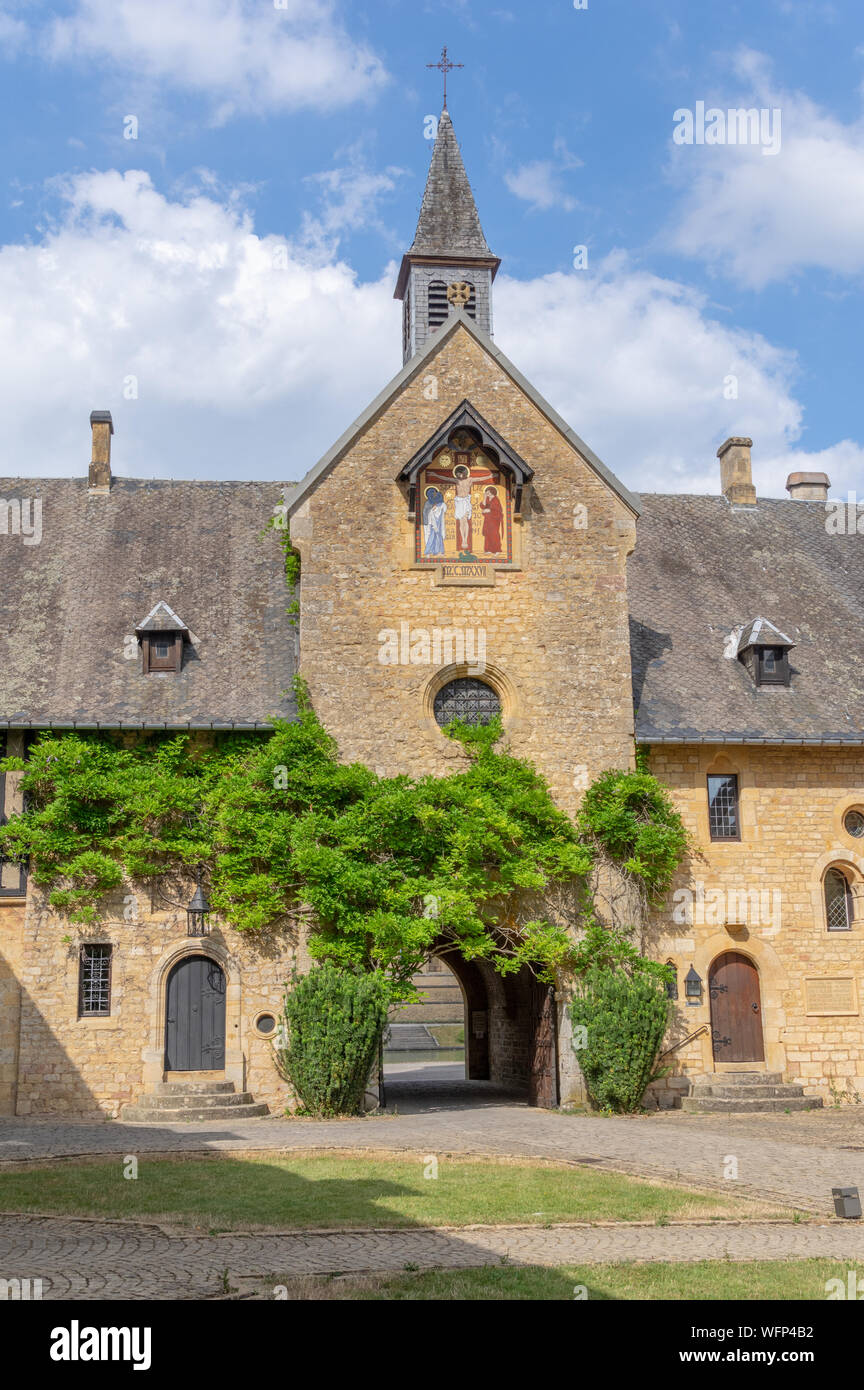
(462, 551)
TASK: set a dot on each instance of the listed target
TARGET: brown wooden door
(736, 1009)
(543, 1061)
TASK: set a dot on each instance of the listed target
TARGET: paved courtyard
(797, 1158)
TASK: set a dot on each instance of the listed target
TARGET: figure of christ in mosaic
(460, 479)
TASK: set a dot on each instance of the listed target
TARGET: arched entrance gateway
(736, 1009)
(510, 1030)
(195, 1016)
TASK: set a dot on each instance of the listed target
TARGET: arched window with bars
(839, 905)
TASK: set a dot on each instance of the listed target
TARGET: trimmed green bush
(333, 1021)
(624, 1015)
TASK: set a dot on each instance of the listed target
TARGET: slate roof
(69, 605)
(702, 569)
(449, 224)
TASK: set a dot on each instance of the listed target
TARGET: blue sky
(223, 281)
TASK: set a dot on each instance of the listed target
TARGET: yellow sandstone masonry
(792, 806)
(555, 630)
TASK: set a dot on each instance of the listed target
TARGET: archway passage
(736, 1009)
(510, 1041)
(195, 1016)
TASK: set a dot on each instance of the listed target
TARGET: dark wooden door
(543, 1061)
(195, 1016)
(736, 1009)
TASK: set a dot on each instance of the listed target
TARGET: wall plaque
(830, 996)
(461, 573)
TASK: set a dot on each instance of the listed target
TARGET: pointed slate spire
(449, 264)
(449, 224)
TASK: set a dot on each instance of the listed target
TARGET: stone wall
(763, 897)
(94, 1065)
(556, 626)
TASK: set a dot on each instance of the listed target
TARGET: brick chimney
(808, 487)
(736, 480)
(99, 479)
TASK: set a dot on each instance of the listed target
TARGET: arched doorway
(195, 1016)
(510, 1039)
(736, 1009)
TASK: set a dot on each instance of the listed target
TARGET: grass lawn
(794, 1280)
(279, 1191)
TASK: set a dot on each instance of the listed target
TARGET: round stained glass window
(472, 701)
(853, 823)
(265, 1024)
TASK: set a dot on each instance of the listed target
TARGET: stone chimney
(102, 425)
(808, 487)
(736, 481)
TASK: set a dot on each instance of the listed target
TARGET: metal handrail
(703, 1029)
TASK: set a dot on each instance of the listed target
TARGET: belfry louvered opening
(438, 307)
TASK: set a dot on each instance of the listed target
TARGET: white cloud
(249, 353)
(640, 369)
(13, 34)
(246, 55)
(252, 354)
(540, 182)
(350, 197)
(765, 218)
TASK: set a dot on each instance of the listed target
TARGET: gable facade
(459, 538)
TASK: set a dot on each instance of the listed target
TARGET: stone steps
(741, 1078)
(718, 1105)
(195, 1088)
(746, 1092)
(178, 1102)
(410, 1037)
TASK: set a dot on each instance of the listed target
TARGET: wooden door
(736, 1009)
(195, 1016)
(543, 1064)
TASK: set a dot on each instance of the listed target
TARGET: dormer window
(772, 666)
(163, 652)
(764, 650)
(162, 636)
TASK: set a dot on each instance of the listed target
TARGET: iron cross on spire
(444, 65)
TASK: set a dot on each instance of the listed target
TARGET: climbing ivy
(477, 862)
(279, 523)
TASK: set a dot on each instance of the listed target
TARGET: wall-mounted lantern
(198, 913)
(693, 987)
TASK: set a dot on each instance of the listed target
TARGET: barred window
(838, 901)
(672, 985)
(472, 701)
(94, 980)
(723, 808)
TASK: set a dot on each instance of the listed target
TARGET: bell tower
(448, 265)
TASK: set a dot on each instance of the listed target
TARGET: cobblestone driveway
(101, 1260)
